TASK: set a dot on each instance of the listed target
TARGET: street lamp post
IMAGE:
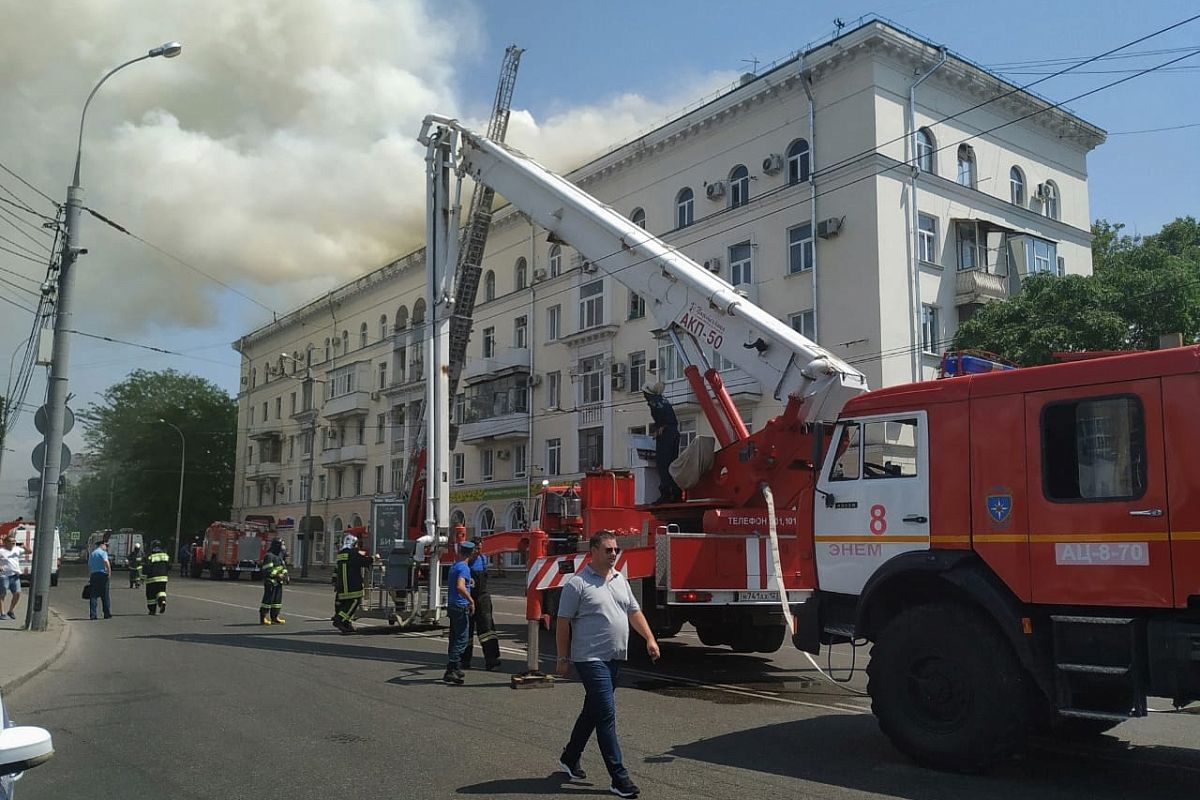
(179, 505)
(56, 403)
(306, 523)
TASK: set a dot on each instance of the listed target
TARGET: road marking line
(236, 605)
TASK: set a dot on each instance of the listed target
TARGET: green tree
(1140, 289)
(137, 483)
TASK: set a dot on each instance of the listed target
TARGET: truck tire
(216, 571)
(233, 574)
(768, 638)
(54, 579)
(196, 569)
(947, 688)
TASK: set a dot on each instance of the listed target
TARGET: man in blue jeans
(594, 614)
(462, 608)
(100, 571)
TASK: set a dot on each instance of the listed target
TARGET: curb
(60, 647)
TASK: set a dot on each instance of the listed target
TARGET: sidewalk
(24, 654)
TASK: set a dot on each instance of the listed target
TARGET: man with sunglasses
(595, 611)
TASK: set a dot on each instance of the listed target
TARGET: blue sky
(649, 58)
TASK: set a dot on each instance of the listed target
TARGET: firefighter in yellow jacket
(274, 575)
(348, 583)
(158, 567)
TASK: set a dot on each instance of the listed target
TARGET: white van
(25, 537)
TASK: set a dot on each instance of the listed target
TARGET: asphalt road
(205, 703)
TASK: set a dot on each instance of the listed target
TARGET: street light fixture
(56, 400)
(179, 505)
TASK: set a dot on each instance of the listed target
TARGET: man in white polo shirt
(594, 614)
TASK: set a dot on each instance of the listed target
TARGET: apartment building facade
(873, 191)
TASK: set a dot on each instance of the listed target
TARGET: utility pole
(47, 517)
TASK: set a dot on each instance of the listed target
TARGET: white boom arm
(682, 295)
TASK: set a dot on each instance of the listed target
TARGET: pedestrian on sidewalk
(10, 573)
(158, 569)
(595, 612)
(274, 575)
(99, 574)
(348, 583)
(462, 608)
(482, 623)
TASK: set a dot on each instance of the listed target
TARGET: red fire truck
(1020, 546)
(230, 549)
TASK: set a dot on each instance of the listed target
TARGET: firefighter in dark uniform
(158, 567)
(135, 566)
(348, 583)
(666, 435)
(275, 575)
(482, 624)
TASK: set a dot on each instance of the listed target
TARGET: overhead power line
(50, 199)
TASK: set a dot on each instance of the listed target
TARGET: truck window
(1094, 449)
(890, 449)
(846, 465)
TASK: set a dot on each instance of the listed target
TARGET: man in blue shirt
(100, 571)
(462, 608)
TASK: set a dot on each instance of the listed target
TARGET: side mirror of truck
(24, 747)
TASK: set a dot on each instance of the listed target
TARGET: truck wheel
(54, 579)
(233, 574)
(215, 571)
(768, 638)
(710, 635)
(947, 688)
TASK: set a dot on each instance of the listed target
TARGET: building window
(637, 306)
(293, 404)
(520, 461)
(1016, 186)
(489, 286)
(554, 389)
(555, 261)
(687, 432)
(1041, 255)
(279, 407)
(554, 456)
(1050, 200)
(397, 474)
(553, 323)
(322, 487)
(460, 469)
(685, 208)
(521, 274)
(927, 238)
(968, 245)
(591, 449)
(926, 150)
(345, 342)
(379, 479)
(362, 336)
(804, 323)
(637, 370)
(966, 166)
(591, 305)
(670, 365)
(487, 464)
(1062, 266)
(930, 330)
(797, 161)
(489, 342)
(306, 443)
(487, 522)
(521, 332)
(591, 380)
(380, 428)
(800, 248)
(291, 448)
(304, 487)
(361, 437)
(638, 217)
(338, 483)
(739, 264)
(382, 374)
(1094, 449)
(358, 481)
(739, 187)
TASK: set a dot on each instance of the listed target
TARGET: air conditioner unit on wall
(713, 265)
(829, 228)
(618, 383)
(504, 455)
(588, 266)
(773, 164)
(715, 190)
(336, 341)
(1043, 192)
(534, 379)
(539, 274)
(375, 395)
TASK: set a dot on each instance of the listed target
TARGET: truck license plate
(758, 597)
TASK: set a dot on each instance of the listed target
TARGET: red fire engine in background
(230, 549)
(1019, 546)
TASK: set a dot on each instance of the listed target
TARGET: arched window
(485, 521)
(253, 377)
(308, 355)
(362, 335)
(797, 161)
(926, 149)
(281, 366)
(418, 315)
(489, 285)
(515, 517)
(345, 342)
(383, 328)
(739, 186)
(1050, 199)
(457, 517)
(356, 521)
(295, 361)
(401, 318)
(555, 261)
(638, 217)
(966, 165)
(1016, 186)
(685, 207)
(521, 274)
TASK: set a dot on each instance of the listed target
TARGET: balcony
(591, 414)
(347, 405)
(596, 333)
(505, 427)
(974, 286)
(679, 393)
(263, 470)
(266, 430)
(513, 360)
(348, 454)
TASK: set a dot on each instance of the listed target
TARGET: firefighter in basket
(274, 575)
